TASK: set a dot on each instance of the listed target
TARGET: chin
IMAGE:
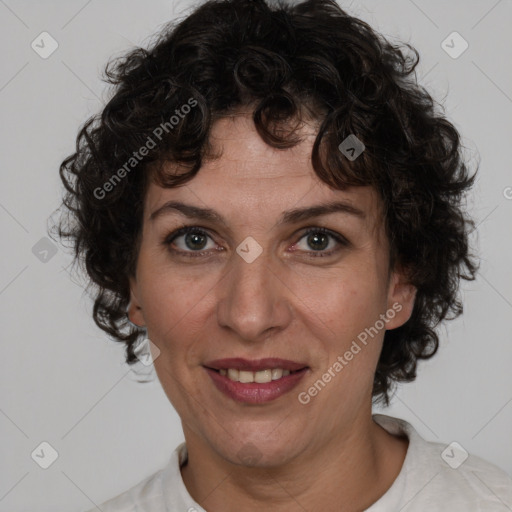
(259, 451)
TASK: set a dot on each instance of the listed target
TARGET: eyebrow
(289, 217)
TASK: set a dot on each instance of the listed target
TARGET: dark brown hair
(279, 59)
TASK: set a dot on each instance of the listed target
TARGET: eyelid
(338, 237)
(185, 229)
(321, 229)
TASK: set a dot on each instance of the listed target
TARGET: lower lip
(254, 392)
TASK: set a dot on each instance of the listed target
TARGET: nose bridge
(252, 300)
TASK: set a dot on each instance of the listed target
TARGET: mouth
(259, 377)
(255, 381)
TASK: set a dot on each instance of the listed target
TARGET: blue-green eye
(319, 239)
(194, 242)
(194, 239)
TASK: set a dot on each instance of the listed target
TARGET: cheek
(173, 298)
(342, 303)
(175, 305)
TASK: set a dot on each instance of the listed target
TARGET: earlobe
(134, 311)
(401, 298)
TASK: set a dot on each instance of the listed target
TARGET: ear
(401, 296)
(135, 313)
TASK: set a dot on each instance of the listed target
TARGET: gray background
(65, 383)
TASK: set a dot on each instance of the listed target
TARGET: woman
(272, 201)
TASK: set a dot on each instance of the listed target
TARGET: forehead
(249, 181)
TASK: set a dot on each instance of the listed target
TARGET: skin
(326, 455)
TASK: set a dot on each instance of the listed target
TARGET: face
(257, 282)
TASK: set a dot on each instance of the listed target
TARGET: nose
(254, 299)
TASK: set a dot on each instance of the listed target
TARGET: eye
(193, 240)
(318, 240)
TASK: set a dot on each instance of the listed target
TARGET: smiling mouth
(259, 377)
(255, 381)
(256, 387)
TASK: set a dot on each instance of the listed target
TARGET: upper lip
(255, 365)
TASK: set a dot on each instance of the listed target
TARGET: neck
(349, 472)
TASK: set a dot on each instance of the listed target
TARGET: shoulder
(146, 495)
(162, 491)
(459, 478)
(446, 477)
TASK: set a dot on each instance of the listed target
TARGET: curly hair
(281, 60)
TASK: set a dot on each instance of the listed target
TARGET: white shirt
(433, 478)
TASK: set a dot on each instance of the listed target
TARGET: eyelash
(194, 229)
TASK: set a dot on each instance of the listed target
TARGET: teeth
(244, 376)
(233, 374)
(277, 373)
(260, 377)
(263, 376)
